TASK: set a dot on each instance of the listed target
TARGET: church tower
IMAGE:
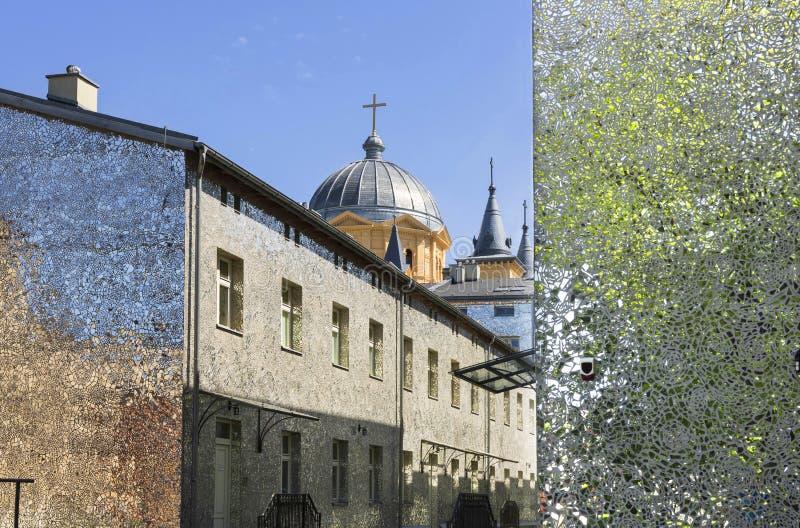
(492, 249)
(370, 197)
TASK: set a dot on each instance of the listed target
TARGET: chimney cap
(73, 71)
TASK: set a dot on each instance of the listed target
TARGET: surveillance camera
(588, 368)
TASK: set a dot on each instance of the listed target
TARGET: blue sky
(277, 86)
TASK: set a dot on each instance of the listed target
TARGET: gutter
(193, 511)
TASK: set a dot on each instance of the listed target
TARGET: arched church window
(409, 257)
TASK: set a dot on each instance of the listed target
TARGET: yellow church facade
(423, 248)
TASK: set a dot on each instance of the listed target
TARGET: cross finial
(375, 104)
(524, 213)
(491, 174)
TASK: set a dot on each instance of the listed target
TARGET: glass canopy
(501, 374)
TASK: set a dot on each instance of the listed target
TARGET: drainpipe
(399, 388)
(193, 513)
(488, 422)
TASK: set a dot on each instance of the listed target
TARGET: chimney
(456, 273)
(72, 88)
(472, 271)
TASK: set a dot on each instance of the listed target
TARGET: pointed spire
(394, 251)
(525, 251)
(492, 238)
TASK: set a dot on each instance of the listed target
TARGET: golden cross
(374, 107)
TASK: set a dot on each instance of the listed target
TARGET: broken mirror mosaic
(668, 223)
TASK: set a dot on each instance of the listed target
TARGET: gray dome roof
(376, 190)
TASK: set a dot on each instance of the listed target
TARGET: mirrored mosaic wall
(91, 316)
(668, 196)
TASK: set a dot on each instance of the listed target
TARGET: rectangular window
(492, 406)
(454, 470)
(504, 310)
(339, 472)
(531, 415)
(290, 462)
(511, 340)
(474, 399)
(408, 475)
(375, 349)
(433, 373)
(291, 316)
(507, 477)
(506, 408)
(375, 473)
(339, 335)
(223, 196)
(520, 480)
(408, 363)
(455, 387)
(519, 411)
(230, 277)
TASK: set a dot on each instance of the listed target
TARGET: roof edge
(406, 283)
(111, 123)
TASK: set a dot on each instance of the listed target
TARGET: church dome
(375, 189)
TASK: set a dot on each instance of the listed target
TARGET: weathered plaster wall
(253, 366)
(91, 282)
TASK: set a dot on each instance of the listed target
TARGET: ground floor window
(375, 473)
(339, 472)
(290, 462)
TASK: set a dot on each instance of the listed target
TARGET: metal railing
(472, 510)
(509, 515)
(17, 482)
(290, 510)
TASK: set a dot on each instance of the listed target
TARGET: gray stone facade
(127, 392)
(251, 364)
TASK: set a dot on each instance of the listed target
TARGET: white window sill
(229, 330)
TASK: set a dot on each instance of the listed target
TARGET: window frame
(375, 474)
(233, 283)
(474, 399)
(340, 355)
(408, 364)
(375, 349)
(339, 472)
(455, 386)
(502, 310)
(292, 460)
(291, 316)
(433, 374)
(224, 282)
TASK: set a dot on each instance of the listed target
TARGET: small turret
(525, 251)
(492, 238)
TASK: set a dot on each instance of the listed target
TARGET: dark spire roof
(394, 251)
(525, 251)
(492, 238)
